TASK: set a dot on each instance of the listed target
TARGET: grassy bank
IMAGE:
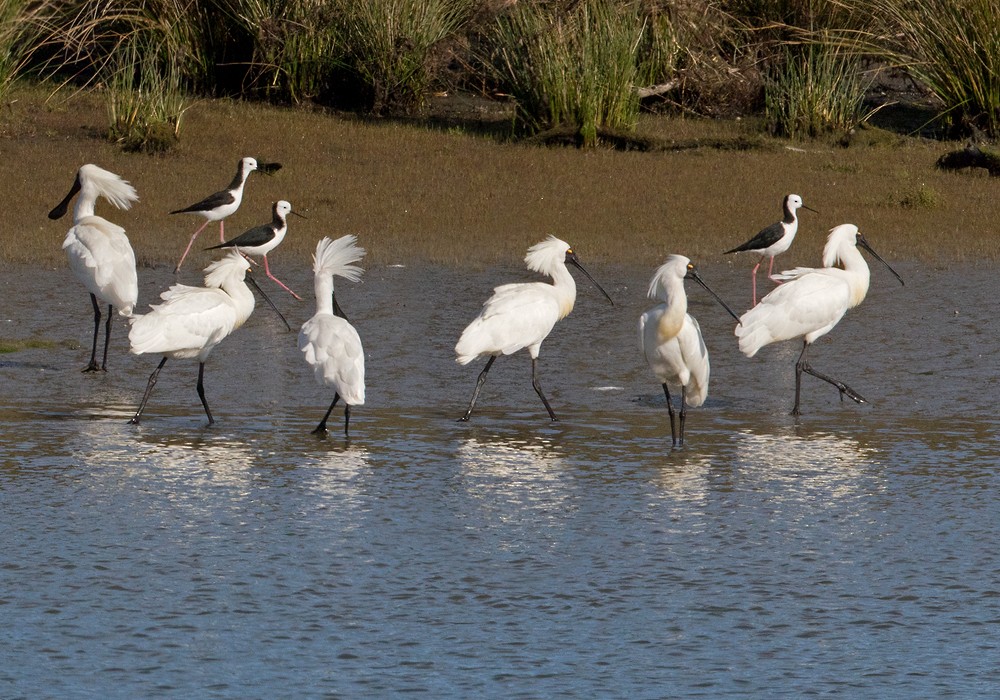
(414, 194)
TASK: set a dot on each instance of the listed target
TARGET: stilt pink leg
(753, 276)
(222, 232)
(770, 273)
(190, 243)
(267, 271)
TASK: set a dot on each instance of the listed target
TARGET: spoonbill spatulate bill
(775, 239)
(522, 315)
(99, 252)
(672, 342)
(811, 302)
(328, 341)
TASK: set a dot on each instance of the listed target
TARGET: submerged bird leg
(479, 386)
(683, 412)
(321, 428)
(107, 339)
(93, 366)
(201, 391)
(267, 271)
(802, 366)
(670, 412)
(149, 389)
(538, 388)
(347, 419)
(190, 243)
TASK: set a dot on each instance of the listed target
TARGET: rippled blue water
(853, 551)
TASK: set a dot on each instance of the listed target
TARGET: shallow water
(852, 551)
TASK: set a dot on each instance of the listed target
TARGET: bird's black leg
(799, 365)
(683, 412)
(107, 339)
(149, 390)
(803, 366)
(479, 386)
(201, 391)
(321, 428)
(347, 420)
(538, 388)
(670, 412)
(93, 366)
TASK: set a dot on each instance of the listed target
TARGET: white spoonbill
(671, 339)
(328, 341)
(261, 240)
(774, 239)
(99, 252)
(217, 206)
(811, 302)
(522, 315)
(191, 321)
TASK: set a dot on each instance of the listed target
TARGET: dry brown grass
(413, 194)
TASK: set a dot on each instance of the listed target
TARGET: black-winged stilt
(261, 240)
(774, 239)
(811, 302)
(216, 207)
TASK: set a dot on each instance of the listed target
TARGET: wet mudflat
(854, 547)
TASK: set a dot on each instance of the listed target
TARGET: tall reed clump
(575, 68)
(143, 54)
(143, 97)
(389, 46)
(816, 90)
(295, 46)
(952, 47)
(20, 35)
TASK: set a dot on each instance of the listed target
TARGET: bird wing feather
(332, 347)
(102, 258)
(258, 235)
(191, 320)
(218, 199)
(811, 303)
(765, 238)
(515, 317)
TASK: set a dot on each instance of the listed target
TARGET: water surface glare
(852, 551)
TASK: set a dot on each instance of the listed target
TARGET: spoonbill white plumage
(99, 252)
(328, 341)
(217, 206)
(522, 315)
(773, 240)
(261, 240)
(811, 302)
(671, 339)
(191, 321)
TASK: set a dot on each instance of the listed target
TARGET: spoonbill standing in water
(99, 252)
(261, 240)
(328, 341)
(522, 315)
(774, 239)
(191, 321)
(811, 302)
(217, 206)
(671, 339)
